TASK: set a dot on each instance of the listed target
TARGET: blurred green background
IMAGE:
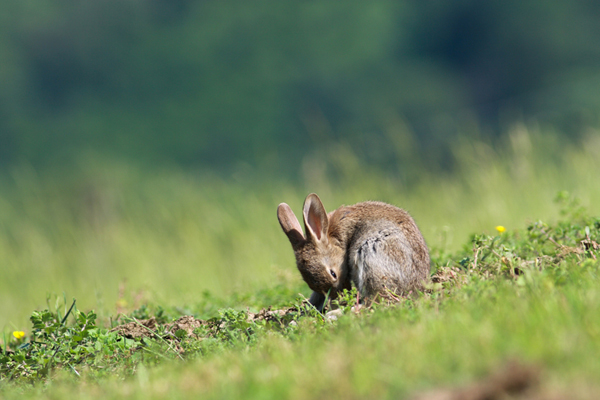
(145, 145)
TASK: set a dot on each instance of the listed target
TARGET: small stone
(333, 315)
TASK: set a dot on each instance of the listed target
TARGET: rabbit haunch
(374, 245)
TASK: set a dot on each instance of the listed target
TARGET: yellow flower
(500, 228)
(19, 334)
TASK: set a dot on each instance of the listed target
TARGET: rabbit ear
(290, 225)
(315, 218)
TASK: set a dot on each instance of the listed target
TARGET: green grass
(531, 294)
(110, 233)
(127, 241)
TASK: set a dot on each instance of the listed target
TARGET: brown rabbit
(374, 245)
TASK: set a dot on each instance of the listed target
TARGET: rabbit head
(319, 256)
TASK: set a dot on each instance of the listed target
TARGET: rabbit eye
(333, 274)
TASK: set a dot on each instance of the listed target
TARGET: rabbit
(374, 245)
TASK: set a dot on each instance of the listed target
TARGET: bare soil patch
(146, 328)
(512, 381)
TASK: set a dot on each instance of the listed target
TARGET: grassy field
(116, 237)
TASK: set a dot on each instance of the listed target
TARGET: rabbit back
(381, 257)
(385, 249)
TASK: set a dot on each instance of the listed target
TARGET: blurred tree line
(216, 83)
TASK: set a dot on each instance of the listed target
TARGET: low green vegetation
(530, 294)
(115, 236)
(186, 286)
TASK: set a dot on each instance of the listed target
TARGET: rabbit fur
(374, 245)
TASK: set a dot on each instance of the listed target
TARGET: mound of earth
(142, 328)
(513, 381)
